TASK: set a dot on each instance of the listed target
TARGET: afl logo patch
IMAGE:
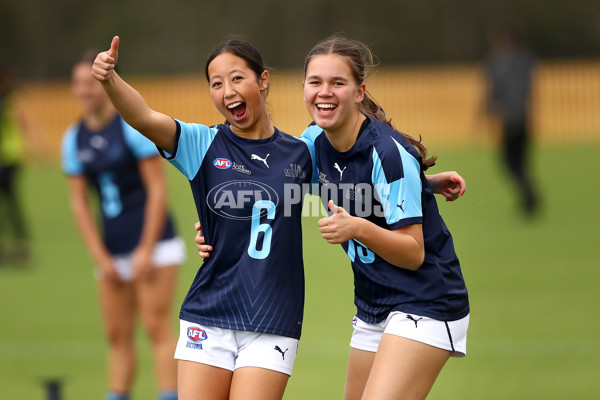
(242, 199)
(354, 321)
(222, 163)
(196, 334)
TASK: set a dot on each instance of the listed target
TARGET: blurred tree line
(41, 39)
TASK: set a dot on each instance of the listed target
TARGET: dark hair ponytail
(360, 58)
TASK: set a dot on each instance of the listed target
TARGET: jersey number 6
(265, 228)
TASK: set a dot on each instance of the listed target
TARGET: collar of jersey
(104, 129)
(230, 134)
(357, 146)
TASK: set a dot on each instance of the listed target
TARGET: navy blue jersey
(248, 195)
(109, 162)
(381, 179)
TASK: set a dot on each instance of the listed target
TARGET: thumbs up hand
(339, 227)
(105, 62)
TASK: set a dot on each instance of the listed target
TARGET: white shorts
(166, 253)
(447, 335)
(231, 349)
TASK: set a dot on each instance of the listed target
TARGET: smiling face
(87, 90)
(332, 94)
(237, 93)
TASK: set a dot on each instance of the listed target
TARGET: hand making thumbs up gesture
(130, 104)
(105, 62)
(338, 227)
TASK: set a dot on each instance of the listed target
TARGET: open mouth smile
(326, 108)
(237, 110)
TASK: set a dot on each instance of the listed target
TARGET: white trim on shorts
(446, 335)
(232, 349)
(165, 253)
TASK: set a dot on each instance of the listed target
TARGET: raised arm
(130, 104)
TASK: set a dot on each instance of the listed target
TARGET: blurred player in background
(12, 153)
(136, 252)
(412, 302)
(509, 69)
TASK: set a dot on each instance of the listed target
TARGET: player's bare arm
(403, 247)
(130, 104)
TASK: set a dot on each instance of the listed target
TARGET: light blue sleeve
(311, 132)
(140, 145)
(70, 163)
(401, 199)
(311, 149)
(192, 143)
(309, 136)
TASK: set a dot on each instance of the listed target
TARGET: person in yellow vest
(12, 154)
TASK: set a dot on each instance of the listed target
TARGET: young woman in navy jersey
(412, 302)
(136, 252)
(242, 317)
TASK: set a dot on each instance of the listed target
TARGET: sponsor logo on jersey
(222, 163)
(98, 142)
(257, 157)
(196, 337)
(242, 199)
(240, 168)
(86, 155)
(322, 177)
(400, 206)
(340, 170)
(295, 171)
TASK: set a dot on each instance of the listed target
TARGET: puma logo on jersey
(336, 166)
(282, 352)
(98, 142)
(400, 206)
(264, 160)
(414, 320)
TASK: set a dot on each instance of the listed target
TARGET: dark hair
(243, 50)
(361, 60)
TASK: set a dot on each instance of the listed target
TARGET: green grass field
(532, 283)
